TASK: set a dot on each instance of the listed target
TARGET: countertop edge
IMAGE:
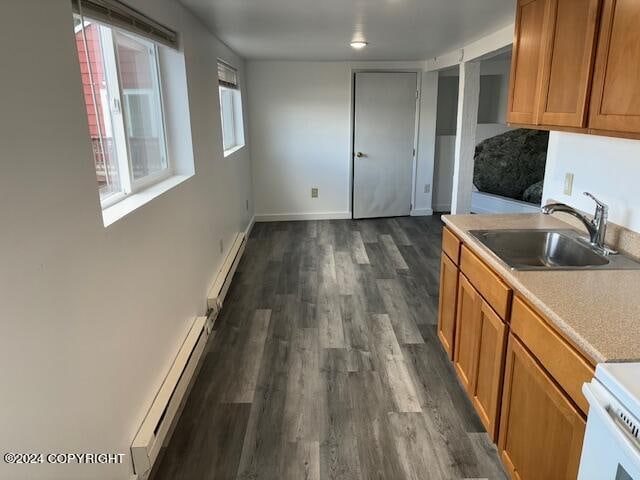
(592, 354)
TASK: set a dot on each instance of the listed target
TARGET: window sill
(130, 203)
(233, 150)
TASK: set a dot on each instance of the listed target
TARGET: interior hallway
(325, 364)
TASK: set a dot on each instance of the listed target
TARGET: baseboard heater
(157, 426)
(166, 406)
(221, 284)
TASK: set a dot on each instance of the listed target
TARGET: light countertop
(597, 310)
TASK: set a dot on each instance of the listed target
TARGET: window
(230, 109)
(123, 100)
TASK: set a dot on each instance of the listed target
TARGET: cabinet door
(447, 308)
(467, 324)
(541, 432)
(491, 342)
(526, 63)
(568, 57)
(615, 100)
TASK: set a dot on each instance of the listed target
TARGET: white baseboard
(486, 203)
(442, 207)
(421, 212)
(280, 217)
(247, 230)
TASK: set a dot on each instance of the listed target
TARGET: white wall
(426, 154)
(488, 130)
(443, 173)
(92, 317)
(300, 115)
(607, 167)
(487, 203)
(494, 94)
(444, 160)
(447, 104)
(494, 89)
(492, 107)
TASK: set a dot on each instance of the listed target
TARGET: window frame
(228, 129)
(119, 122)
(236, 114)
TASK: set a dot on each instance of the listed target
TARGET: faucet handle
(600, 203)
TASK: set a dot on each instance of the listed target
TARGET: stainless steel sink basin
(548, 249)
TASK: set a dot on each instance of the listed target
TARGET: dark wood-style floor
(325, 364)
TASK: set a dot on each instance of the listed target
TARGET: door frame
(416, 130)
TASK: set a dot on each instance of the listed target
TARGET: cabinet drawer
(451, 245)
(559, 358)
(490, 286)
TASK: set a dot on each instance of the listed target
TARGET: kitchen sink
(549, 250)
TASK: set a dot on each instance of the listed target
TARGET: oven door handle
(597, 406)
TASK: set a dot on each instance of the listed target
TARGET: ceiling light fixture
(359, 45)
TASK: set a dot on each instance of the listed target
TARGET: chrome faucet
(597, 227)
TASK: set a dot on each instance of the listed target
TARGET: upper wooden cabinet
(524, 88)
(567, 61)
(552, 62)
(575, 66)
(615, 101)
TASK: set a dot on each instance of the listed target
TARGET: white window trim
(132, 202)
(232, 150)
(238, 121)
(129, 186)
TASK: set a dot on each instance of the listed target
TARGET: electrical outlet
(568, 183)
(427, 188)
(221, 246)
(314, 192)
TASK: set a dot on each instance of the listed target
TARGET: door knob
(360, 154)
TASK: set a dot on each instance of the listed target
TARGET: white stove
(611, 449)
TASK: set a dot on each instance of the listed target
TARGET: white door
(384, 130)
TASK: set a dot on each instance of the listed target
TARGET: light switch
(568, 183)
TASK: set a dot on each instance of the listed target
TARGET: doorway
(383, 143)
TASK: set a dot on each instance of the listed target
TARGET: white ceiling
(322, 29)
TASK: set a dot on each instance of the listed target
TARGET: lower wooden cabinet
(447, 306)
(521, 376)
(541, 432)
(479, 353)
(490, 347)
(467, 319)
